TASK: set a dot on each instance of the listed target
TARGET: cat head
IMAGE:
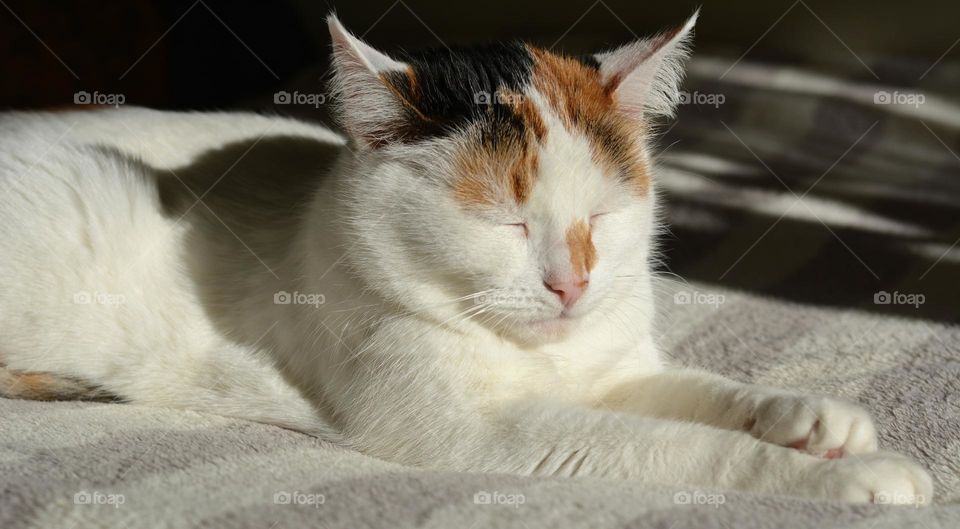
(507, 184)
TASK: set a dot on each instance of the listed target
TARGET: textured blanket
(808, 217)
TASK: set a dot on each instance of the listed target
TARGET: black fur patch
(451, 88)
(589, 60)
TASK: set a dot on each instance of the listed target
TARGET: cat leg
(823, 426)
(556, 439)
(425, 420)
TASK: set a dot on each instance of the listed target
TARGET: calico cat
(464, 282)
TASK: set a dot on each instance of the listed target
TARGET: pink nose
(569, 290)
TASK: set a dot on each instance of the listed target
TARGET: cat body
(463, 282)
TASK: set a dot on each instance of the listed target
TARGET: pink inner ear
(374, 60)
(623, 64)
(645, 75)
(368, 108)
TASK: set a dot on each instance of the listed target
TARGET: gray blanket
(71, 465)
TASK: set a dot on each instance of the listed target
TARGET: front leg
(558, 439)
(441, 418)
(823, 426)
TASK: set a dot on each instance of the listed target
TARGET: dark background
(218, 53)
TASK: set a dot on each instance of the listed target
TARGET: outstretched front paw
(822, 426)
(881, 478)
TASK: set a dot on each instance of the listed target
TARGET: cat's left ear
(369, 107)
(645, 75)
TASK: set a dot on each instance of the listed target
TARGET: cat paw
(821, 426)
(881, 478)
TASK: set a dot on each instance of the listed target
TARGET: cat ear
(645, 75)
(368, 106)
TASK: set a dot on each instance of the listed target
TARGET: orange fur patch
(470, 187)
(34, 386)
(524, 109)
(522, 173)
(46, 386)
(583, 255)
(405, 95)
(485, 175)
(577, 95)
(414, 88)
(508, 171)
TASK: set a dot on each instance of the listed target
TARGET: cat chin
(537, 331)
(550, 328)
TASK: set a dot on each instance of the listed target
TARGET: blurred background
(814, 157)
(217, 53)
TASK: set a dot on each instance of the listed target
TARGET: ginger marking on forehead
(583, 255)
(523, 172)
(485, 175)
(525, 110)
(509, 169)
(470, 188)
(576, 93)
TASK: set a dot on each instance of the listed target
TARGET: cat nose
(569, 289)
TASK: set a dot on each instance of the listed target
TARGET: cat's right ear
(368, 106)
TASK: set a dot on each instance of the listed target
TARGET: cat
(463, 281)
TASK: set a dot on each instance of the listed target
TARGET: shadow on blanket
(822, 198)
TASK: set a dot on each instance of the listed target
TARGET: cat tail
(268, 401)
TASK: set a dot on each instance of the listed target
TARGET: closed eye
(597, 216)
(520, 226)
